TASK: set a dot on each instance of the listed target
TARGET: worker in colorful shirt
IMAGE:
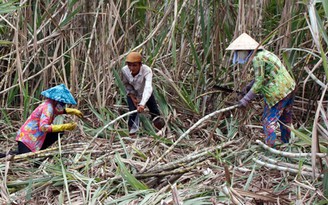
(272, 81)
(137, 78)
(38, 132)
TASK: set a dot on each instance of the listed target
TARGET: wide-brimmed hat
(59, 93)
(244, 42)
(134, 57)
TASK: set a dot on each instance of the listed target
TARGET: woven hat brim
(59, 93)
(244, 42)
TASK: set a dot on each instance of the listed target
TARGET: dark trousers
(151, 104)
(51, 138)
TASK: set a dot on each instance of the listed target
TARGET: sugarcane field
(150, 102)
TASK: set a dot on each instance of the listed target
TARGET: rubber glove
(248, 97)
(73, 111)
(63, 127)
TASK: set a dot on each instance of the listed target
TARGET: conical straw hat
(244, 42)
(60, 93)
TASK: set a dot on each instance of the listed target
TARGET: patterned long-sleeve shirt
(33, 132)
(139, 85)
(272, 80)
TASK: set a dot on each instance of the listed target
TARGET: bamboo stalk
(43, 69)
(230, 195)
(310, 72)
(155, 30)
(102, 129)
(19, 64)
(315, 139)
(164, 173)
(190, 157)
(287, 169)
(258, 196)
(89, 49)
(289, 154)
(41, 153)
(175, 195)
(294, 166)
(173, 38)
(190, 129)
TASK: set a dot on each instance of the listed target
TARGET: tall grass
(84, 44)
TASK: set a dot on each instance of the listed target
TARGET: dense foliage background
(83, 44)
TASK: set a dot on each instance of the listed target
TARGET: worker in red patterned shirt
(38, 132)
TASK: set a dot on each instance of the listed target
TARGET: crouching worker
(272, 81)
(38, 132)
(137, 78)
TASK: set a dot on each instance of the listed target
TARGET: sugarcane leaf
(306, 139)
(125, 173)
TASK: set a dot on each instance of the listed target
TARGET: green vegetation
(84, 44)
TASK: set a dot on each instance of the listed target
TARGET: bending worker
(137, 78)
(38, 132)
(272, 81)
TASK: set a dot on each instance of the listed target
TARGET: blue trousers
(280, 113)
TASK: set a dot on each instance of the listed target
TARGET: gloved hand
(248, 97)
(73, 111)
(63, 127)
(140, 108)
